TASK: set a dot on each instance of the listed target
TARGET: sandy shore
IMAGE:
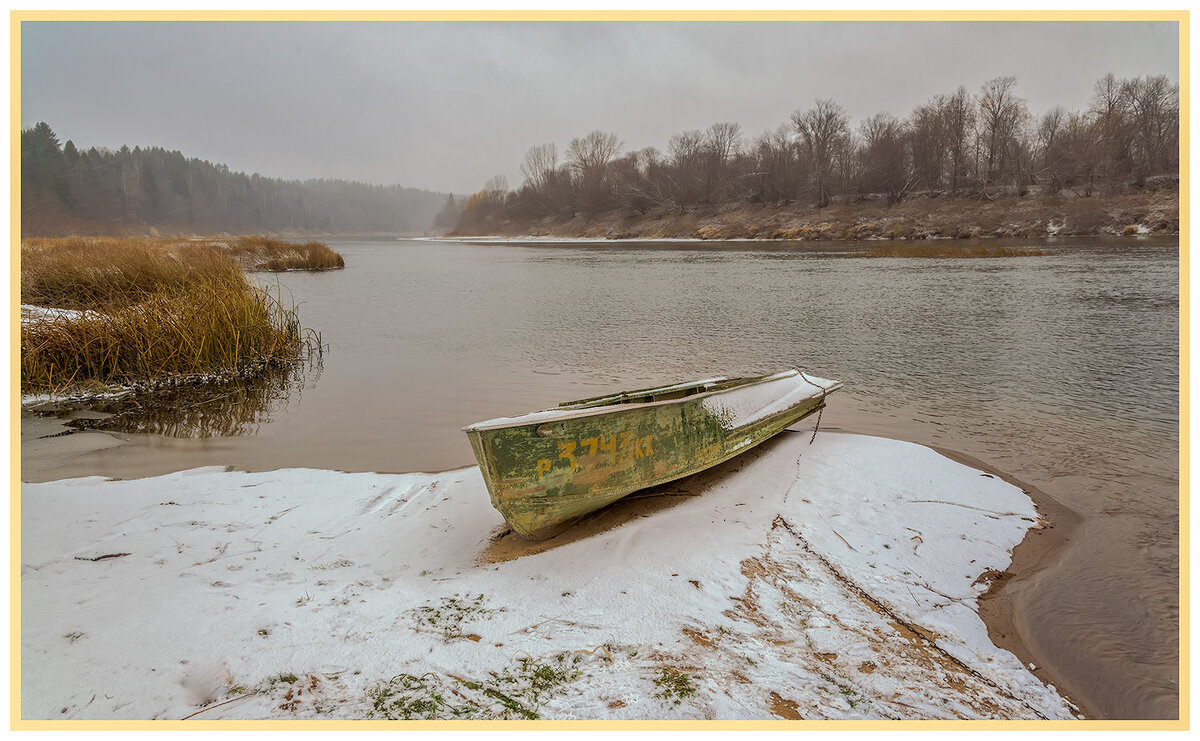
(835, 580)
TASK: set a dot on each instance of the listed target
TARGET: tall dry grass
(81, 272)
(138, 264)
(148, 314)
(264, 253)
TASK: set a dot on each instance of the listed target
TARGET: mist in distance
(447, 105)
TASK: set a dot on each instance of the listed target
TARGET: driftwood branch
(101, 558)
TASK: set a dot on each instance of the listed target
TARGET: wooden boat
(544, 470)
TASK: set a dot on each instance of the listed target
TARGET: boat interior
(663, 393)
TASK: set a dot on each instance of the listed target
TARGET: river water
(1060, 370)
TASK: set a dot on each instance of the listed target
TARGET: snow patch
(31, 313)
(745, 405)
(837, 579)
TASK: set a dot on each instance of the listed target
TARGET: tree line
(66, 189)
(961, 143)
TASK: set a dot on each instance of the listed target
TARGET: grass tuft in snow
(533, 681)
(449, 616)
(411, 697)
(515, 693)
(674, 685)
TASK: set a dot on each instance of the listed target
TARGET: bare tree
(686, 154)
(927, 142)
(957, 113)
(496, 184)
(775, 171)
(657, 186)
(590, 158)
(626, 174)
(1050, 143)
(539, 167)
(1152, 104)
(821, 129)
(885, 166)
(1106, 96)
(846, 167)
(1002, 115)
(1112, 124)
(590, 155)
(1083, 151)
(721, 142)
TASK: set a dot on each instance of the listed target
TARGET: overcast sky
(446, 105)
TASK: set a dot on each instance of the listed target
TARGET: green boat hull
(545, 474)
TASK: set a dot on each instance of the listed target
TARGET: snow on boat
(545, 470)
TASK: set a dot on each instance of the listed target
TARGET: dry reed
(82, 272)
(264, 253)
(149, 313)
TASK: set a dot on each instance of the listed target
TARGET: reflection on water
(226, 408)
(1061, 371)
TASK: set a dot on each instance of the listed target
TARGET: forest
(981, 145)
(66, 190)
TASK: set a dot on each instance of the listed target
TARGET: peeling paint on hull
(559, 465)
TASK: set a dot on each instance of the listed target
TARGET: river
(1059, 370)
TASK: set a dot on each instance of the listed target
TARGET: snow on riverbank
(31, 313)
(832, 580)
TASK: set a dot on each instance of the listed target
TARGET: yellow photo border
(17, 17)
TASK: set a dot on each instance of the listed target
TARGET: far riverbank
(933, 215)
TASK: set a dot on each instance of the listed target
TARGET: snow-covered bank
(31, 313)
(832, 580)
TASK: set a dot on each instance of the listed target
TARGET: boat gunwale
(566, 414)
(593, 401)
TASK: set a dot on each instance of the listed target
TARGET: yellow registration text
(599, 450)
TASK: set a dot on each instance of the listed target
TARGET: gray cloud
(446, 105)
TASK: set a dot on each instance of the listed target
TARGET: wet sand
(1002, 607)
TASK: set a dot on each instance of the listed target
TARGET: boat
(545, 470)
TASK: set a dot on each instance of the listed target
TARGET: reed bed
(264, 253)
(909, 249)
(83, 273)
(146, 315)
